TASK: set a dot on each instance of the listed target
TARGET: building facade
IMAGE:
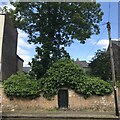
(116, 55)
(8, 48)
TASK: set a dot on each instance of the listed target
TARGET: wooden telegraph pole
(113, 69)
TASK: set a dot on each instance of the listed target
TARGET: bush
(21, 85)
(62, 73)
(93, 86)
(65, 73)
(118, 83)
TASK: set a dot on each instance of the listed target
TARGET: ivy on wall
(21, 85)
(63, 73)
(66, 73)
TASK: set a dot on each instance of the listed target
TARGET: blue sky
(87, 50)
(76, 50)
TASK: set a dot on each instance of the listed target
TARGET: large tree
(100, 65)
(53, 26)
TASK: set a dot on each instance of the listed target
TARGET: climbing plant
(21, 85)
(63, 73)
(66, 73)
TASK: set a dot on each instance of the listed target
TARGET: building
(19, 64)
(26, 69)
(116, 56)
(10, 62)
(83, 64)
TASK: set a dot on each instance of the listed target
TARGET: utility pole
(113, 69)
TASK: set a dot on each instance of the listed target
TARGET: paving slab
(66, 115)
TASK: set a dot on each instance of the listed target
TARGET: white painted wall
(2, 21)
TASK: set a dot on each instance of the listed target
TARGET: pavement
(60, 115)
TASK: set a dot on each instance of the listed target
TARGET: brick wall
(102, 103)
(76, 102)
(119, 98)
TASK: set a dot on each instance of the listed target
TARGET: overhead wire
(104, 23)
(95, 43)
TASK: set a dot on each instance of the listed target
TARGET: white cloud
(7, 4)
(22, 43)
(103, 43)
(24, 48)
(26, 59)
(24, 54)
(21, 51)
(116, 39)
(22, 37)
(22, 34)
(10, 6)
(90, 56)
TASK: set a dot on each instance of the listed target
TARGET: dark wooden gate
(63, 98)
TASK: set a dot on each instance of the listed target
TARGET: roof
(116, 43)
(83, 64)
(20, 58)
(26, 69)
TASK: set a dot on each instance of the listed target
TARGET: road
(60, 115)
(56, 119)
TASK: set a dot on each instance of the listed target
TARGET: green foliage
(93, 86)
(21, 85)
(64, 73)
(118, 83)
(101, 65)
(53, 26)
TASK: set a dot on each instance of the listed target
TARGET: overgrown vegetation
(66, 73)
(93, 86)
(21, 85)
(63, 73)
(101, 66)
(118, 83)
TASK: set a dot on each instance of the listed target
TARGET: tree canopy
(53, 26)
(101, 65)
